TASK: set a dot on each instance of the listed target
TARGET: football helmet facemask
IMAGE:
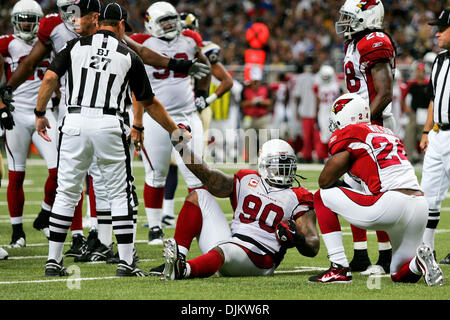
(349, 108)
(277, 163)
(162, 20)
(359, 15)
(67, 12)
(25, 18)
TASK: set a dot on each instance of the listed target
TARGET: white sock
(16, 220)
(413, 266)
(183, 250)
(360, 245)
(55, 250)
(46, 206)
(105, 233)
(428, 237)
(168, 207)
(153, 217)
(126, 252)
(335, 248)
(74, 232)
(384, 246)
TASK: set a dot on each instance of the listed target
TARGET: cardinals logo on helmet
(365, 5)
(339, 105)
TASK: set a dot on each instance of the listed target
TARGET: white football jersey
(173, 89)
(53, 32)
(360, 56)
(379, 161)
(14, 50)
(259, 208)
(327, 93)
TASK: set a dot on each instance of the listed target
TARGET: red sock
(50, 186)
(328, 220)
(92, 206)
(383, 236)
(206, 265)
(153, 197)
(15, 194)
(189, 224)
(405, 275)
(77, 221)
(359, 235)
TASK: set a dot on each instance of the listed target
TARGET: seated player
(392, 200)
(270, 216)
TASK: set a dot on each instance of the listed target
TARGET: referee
(100, 70)
(436, 134)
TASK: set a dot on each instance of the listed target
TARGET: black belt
(78, 110)
(444, 127)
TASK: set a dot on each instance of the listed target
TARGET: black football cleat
(360, 261)
(126, 270)
(55, 269)
(76, 250)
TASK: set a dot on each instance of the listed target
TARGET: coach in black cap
(115, 12)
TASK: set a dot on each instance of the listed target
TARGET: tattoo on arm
(215, 181)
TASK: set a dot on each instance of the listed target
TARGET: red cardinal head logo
(339, 105)
(364, 5)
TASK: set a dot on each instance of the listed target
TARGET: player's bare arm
(335, 167)
(429, 123)
(48, 86)
(383, 82)
(306, 225)
(203, 83)
(147, 55)
(220, 73)
(29, 64)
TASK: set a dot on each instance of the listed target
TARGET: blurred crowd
(299, 29)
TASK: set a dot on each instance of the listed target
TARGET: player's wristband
(425, 132)
(211, 98)
(140, 129)
(39, 114)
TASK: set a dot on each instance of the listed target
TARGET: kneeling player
(270, 215)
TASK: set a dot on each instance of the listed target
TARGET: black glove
(287, 235)
(191, 67)
(200, 100)
(6, 118)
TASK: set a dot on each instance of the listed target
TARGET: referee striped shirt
(439, 87)
(100, 69)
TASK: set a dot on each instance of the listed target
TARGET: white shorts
(403, 217)
(158, 148)
(24, 132)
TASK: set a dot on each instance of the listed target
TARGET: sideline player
(25, 17)
(392, 200)
(369, 67)
(270, 216)
(176, 93)
(217, 102)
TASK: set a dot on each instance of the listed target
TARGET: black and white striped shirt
(100, 68)
(439, 88)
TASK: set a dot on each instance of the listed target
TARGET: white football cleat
(432, 274)
(3, 254)
(19, 243)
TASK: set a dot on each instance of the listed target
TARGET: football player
(25, 17)
(270, 216)
(176, 93)
(218, 103)
(392, 200)
(326, 88)
(369, 66)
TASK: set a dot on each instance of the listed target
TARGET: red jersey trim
(46, 26)
(140, 37)
(361, 199)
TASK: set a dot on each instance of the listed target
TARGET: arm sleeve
(139, 83)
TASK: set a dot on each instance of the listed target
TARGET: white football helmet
(326, 73)
(277, 163)
(67, 12)
(162, 20)
(349, 108)
(25, 18)
(359, 15)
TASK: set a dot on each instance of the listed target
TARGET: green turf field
(22, 275)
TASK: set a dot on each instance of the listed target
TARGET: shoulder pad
(140, 37)
(46, 26)
(195, 36)
(4, 44)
